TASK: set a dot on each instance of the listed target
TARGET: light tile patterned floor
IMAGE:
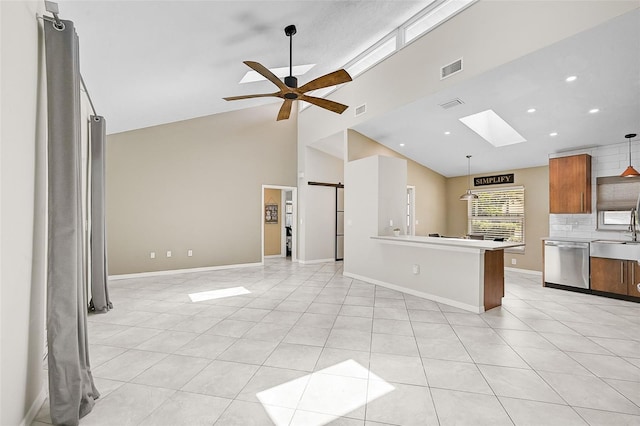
(310, 347)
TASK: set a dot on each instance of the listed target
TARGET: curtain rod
(52, 7)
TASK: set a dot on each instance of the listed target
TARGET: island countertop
(448, 242)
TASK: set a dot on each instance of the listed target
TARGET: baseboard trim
(446, 301)
(35, 407)
(183, 271)
(273, 256)
(524, 271)
(311, 262)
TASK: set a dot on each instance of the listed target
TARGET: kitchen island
(468, 274)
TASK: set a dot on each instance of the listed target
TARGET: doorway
(278, 221)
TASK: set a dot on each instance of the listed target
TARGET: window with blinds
(498, 213)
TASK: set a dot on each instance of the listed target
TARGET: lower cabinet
(634, 281)
(615, 276)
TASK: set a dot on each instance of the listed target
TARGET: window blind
(498, 213)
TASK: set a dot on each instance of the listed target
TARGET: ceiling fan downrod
(291, 81)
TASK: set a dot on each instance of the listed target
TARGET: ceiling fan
(289, 90)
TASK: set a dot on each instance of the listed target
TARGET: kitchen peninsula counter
(449, 242)
(465, 273)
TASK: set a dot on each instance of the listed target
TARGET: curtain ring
(58, 24)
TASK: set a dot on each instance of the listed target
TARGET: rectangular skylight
(218, 294)
(252, 76)
(492, 128)
(434, 17)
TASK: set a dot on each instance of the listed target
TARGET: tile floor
(308, 346)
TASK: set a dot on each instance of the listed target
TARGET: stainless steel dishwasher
(566, 263)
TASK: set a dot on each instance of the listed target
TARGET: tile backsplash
(608, 160)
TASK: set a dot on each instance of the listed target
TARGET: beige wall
(273, 231)
(535, 181)
(430, 186)
(195, 184)
(22, 211)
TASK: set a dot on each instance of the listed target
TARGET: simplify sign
(494, 180)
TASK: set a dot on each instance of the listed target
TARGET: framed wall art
(271, 213)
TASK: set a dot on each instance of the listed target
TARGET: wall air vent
(452, 103)
(452, 68)
(361, 109)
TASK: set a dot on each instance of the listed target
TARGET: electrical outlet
(189, 253)
(390, 222)
(416, 269)
(152, 255)
(168, 253)
(514, 261)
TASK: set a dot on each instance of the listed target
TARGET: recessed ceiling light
(492, 128)
(571, 78)
(531, 110)
(553, 134)
(401, 144)
(594, 110)
(447, 133)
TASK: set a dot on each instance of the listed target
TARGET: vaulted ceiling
(152, 62)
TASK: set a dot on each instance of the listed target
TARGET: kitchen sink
(616, 249)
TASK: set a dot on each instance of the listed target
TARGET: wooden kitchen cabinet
(634, 279)
(615, 276)
(570, 184)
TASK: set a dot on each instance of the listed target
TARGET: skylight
(252, 76)
(218, 294)
(492, 128)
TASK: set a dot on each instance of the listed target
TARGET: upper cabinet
(570, 184)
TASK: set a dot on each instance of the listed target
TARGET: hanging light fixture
(630, 171)
(468, 195)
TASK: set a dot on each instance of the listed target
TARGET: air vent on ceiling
(452, 103)
(452, 68)
(361, 109)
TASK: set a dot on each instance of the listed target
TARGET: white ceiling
(149, 62)
(606, 60)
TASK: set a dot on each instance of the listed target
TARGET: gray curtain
(100, 301)
(71, 388)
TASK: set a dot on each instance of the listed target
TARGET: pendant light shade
(630, 171)
(468, 195)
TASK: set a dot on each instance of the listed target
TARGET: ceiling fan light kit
(630, 171)
(289, 90)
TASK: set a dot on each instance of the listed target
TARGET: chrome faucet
(633, 225)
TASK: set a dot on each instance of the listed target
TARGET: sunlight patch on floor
(218, 294)
(325, 395)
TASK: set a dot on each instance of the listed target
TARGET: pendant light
(468, 195)
(630, 171)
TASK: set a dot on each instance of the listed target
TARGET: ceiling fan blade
(327, 80)
(285, 110)
(264, 71)
(259, 95)
(324, 103)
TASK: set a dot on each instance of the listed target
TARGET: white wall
(375, 192)
(21, 212)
